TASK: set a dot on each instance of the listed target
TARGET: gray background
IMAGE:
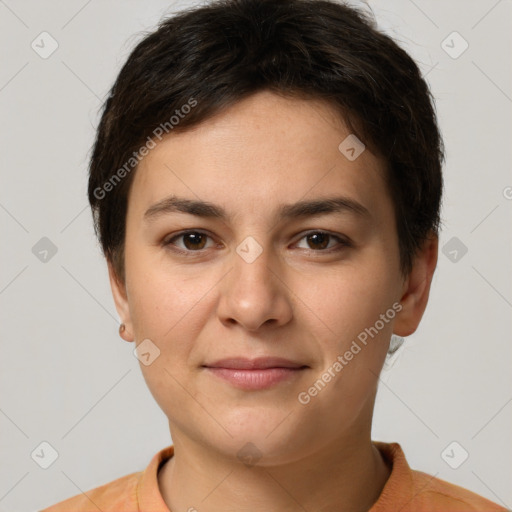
(68, 379)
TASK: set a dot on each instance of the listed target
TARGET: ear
(121, 302)
(416, 288)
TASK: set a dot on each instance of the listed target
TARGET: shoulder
(407, 489)
(130, 493)
(120, 494)
(435, 494)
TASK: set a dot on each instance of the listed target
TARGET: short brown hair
(215, 55)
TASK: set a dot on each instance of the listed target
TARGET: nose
(255, 294)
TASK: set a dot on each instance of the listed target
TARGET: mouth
(255, 374)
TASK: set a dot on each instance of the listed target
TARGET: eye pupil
(195, 238)
(321, 238)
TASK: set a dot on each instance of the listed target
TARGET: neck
(341, 476)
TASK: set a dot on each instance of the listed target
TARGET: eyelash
(343, 242)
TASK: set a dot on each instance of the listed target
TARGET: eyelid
(343, 241)
(168, 240)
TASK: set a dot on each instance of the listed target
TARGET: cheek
(350, 303)
(167, 309)
(345, 300)
(167, 301)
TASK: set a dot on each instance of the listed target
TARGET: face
(294, 256)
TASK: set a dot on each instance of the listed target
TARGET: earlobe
(416, 288)
(121, 302)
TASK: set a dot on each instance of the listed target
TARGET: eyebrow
(205, 209)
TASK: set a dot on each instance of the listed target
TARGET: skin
(293, 301)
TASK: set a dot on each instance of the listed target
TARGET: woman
(266, 186)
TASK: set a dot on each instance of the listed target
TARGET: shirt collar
(397, 492)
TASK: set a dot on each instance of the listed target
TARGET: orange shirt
(406, 490)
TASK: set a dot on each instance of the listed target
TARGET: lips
(255, 374)
(260, 363)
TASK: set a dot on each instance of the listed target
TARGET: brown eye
(318, 241)
(192, 241)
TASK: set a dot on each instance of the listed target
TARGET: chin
(264, 435)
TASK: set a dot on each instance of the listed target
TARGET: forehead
(263, 151)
